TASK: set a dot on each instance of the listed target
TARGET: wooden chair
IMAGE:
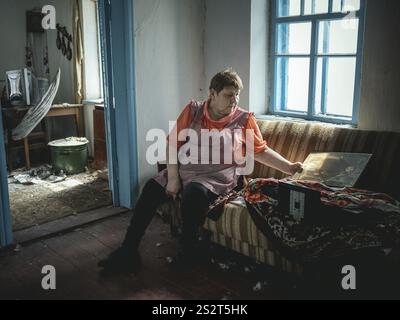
(35, 140)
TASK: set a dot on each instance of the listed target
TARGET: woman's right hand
(294, 168)
(173, 187)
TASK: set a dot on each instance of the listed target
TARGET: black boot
(121, 261)
(126, 259)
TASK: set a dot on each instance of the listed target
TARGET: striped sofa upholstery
(295, 140)
(236, 230)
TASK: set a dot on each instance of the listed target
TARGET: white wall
(13, 39)
(237, 36)
(13, 34)
(227, 41)
(169, 65)
(380, 84)
(260, 77)
(56, 58)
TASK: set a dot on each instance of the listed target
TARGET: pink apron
(219, 178)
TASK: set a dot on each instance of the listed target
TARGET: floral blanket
(375, 223)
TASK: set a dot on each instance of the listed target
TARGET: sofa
(294, 140)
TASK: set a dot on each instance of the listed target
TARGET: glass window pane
(345, 5)
(335, 85)
(292, 76)
(338, 36)
(318, 86)
(351, 5)
(294, 38)
(316, 6)
(288, 8)
(337, 6)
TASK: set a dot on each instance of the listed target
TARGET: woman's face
(223, 102)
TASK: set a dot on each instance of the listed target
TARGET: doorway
(103, 182)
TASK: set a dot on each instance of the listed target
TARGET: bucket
(69, 155)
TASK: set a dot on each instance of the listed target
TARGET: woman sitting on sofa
(197, 181)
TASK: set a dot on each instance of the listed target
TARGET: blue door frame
(117, 45)
(5, 215)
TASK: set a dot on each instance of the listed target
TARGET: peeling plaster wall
(227, 41)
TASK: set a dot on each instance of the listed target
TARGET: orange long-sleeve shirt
(185, 119)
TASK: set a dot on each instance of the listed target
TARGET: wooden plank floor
(75, 255)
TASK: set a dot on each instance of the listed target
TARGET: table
(75, 110)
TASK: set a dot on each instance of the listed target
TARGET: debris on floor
(41, 174)
(41, 195)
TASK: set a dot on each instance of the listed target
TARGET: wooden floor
(75, 255)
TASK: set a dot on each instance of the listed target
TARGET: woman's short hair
(226, 78)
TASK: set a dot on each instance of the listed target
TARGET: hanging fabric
(38, 112)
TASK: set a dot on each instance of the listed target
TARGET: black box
(301, 202)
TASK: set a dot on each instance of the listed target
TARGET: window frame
(313, 56)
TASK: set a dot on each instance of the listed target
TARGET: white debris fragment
(223, 266)
(258, 287)
(158, 244)
(227, 296)
(24, 179)
(387, 251)
(169, 259)
(55, 179)
(17, 248)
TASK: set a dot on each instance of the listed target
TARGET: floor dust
(44, 201)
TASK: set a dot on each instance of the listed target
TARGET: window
(91, 45)
(317, 48)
